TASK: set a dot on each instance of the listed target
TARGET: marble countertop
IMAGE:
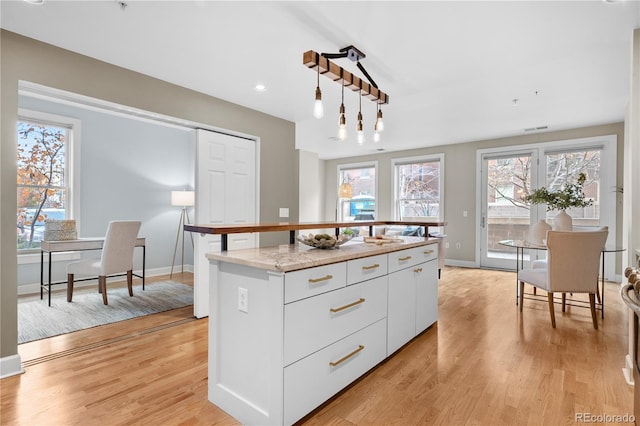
(292, 257)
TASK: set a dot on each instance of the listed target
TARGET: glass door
(508, 175)
(506, 178)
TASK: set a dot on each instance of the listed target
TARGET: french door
(506, 177)
(511, 173)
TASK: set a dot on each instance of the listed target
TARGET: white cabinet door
(426, 295)
(401, 311)
(226, 184)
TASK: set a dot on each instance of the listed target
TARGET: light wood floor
(484, 363)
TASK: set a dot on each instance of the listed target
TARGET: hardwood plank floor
(483, 363)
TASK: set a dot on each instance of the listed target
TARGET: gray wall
(29, 60)
(460, 182)
(128, 169)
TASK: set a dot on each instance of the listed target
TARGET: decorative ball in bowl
(324, 241)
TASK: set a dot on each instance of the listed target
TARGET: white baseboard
(10, 366)
(460, 263)
(34, 288)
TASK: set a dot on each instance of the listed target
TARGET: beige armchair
(117, 257)
(573, 261)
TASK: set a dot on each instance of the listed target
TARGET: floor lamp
(184, 199)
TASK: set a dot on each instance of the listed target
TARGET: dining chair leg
(130, 282)
(564, 301)
(69, 287)
(551, 311)
(592, 304)
(102, 280)
(521, 294)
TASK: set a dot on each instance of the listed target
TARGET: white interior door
(226, 182)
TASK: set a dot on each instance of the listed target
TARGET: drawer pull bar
(317, 280)
(428, 252)
(342, 308)
(402, 259)
(374, 266)
(417, 270)
(346, 357)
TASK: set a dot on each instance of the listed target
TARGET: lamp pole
(184, 198)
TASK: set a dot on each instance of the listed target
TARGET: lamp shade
(182, 198)
(345, 190)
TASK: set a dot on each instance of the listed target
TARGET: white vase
(562, 222)
(538, 232)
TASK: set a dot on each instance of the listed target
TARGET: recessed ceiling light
(34, 1)
(260, 87)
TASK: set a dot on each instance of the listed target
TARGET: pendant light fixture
(342, 123)
(360, 130)
(318, 109)
(323, 64)
(376, 132)
(379, 123)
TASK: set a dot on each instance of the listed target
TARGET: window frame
(353, 166)
(395, 162)
(72, 171)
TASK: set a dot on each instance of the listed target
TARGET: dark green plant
(570, 195)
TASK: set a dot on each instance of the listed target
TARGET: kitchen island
(290, 326)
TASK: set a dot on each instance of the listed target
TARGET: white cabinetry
(308, 333)
(413, 294)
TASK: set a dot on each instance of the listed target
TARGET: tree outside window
(509, 180)
(41, 179)
(418, 191)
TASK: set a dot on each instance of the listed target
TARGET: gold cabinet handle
(417, 270)
(374, 266)
(317, 280)
(428, 252)
(346, 357)
(342, 308)
(402, 259)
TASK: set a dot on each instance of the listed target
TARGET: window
(357, 192)
(418, 188)
(565, 167)
(43, 179)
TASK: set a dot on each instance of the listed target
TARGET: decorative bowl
(324, 241)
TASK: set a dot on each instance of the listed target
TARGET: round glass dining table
(522, 245)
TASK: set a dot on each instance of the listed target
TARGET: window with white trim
(418, 188)
(44, 146)
(357, 186)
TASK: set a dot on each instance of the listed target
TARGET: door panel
(505, 179)
(226, 184)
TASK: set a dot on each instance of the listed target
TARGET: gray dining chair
(116, 257)
(573, 260)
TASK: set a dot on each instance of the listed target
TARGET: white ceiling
(451, 69)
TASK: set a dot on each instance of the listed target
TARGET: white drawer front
(310, 282)
(312, 380)
(411, 257)
(366, 268)
(311, 324)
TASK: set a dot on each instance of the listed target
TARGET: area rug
(37, 321)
